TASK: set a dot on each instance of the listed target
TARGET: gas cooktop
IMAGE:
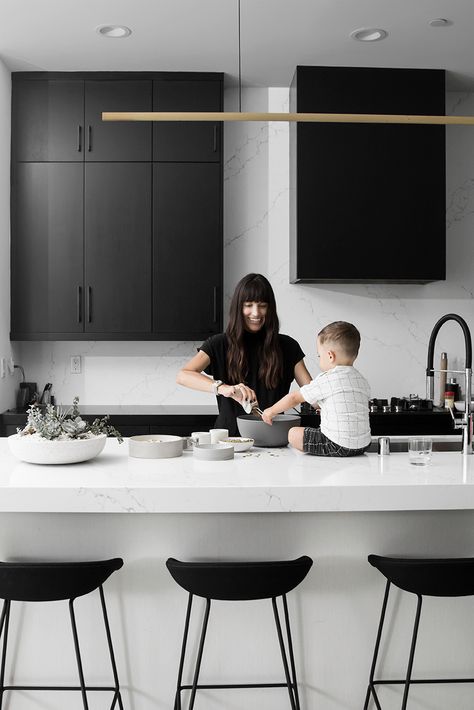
(412, 403)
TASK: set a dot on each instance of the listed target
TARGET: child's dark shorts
(317, 444)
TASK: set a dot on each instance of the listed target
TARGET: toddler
(339, 391)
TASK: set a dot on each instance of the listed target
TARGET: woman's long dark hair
(254, 287)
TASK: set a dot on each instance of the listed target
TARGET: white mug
(217, 435)
(201, 437)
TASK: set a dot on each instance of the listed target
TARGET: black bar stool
(239, 581)
(55, 581)
(424, 577)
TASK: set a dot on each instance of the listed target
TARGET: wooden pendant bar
(288, 117)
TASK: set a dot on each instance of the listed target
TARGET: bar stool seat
(56, 581)
(436, 577)
(239, 581)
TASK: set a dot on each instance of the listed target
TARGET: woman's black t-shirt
(216, 349)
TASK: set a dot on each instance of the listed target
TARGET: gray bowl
(264, 434)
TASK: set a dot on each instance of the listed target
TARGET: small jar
(449, 399)
(452, 386)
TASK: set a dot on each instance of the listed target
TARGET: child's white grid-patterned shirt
(343, 395)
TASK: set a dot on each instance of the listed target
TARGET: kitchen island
(265, 504)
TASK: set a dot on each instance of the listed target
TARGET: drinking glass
(419, 451)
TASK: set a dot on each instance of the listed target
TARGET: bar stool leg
(199, 657)
(78, 655)
(371, 687)
(283, 654)
(117, 695)
(177, 700)
(290, 651)
(412, 652)
(4, 623)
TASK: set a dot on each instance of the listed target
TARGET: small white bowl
(155, 446)
(34, 449)
(461, 406)
(214, 452)
(240, 443)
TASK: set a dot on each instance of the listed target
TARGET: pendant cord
(240, 60)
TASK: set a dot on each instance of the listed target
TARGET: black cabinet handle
(89, 304)
(89, 139)
(79, 304)
(79, 139)
(215, 138)
(215, 305)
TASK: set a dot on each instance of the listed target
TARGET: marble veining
(395, 320)
(263, 480)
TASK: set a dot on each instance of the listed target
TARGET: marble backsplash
(395, 321)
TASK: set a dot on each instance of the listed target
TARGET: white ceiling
(201, 35)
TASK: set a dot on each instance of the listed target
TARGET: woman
(251, 361)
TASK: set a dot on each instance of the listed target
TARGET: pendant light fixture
(214, 116)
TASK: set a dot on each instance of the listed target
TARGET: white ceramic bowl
(214, 452)
(240, 443)
(155, 446)
(461, 406)
(264, 434)
(34, 449)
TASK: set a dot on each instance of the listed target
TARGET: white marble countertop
(260, 480)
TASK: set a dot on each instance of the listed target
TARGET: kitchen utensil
(442, 378)
(46, 394)
(461, 406)
(155, 446)
(263, 434)
(214, 452)
(251, 407)
(201, 437)
(240, 443)
(217, 435)
(26, 395)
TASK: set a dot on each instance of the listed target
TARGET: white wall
(8, 384)
(395, 320)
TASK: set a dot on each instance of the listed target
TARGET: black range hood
(368, 201)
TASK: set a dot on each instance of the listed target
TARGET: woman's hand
(267, 416)
(238, 392)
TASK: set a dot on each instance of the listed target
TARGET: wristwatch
(215, 385)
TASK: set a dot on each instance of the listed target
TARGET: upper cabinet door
(48, 120)
(196, 141)
(47, 248)
(118, 248)
(117, 141)
(187, 250)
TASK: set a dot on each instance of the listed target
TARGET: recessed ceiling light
(114, 31)
(440, 22)
(368, 34)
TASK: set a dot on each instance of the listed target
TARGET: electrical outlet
(11, 366)
(76, 365)
(3, 367)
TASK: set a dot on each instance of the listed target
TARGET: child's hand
(267, 416)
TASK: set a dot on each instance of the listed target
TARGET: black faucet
(466, 423)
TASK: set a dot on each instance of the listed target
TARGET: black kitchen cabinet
(97, 249)
(47, 248)
(187, 141)
(58, 119)
(187, 241)
(69, 277)
(48, 120)
(368, 200)
(117, 284)
(121, 141)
